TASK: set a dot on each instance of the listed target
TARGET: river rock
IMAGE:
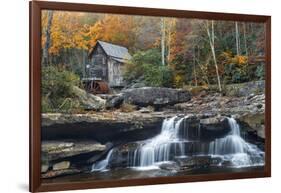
(61, 165)
(114, 101)
(155, 96)
(171, 166)
(194, 162)
(89, 101)
(214, 123)
(44, 168)
(146, 109)
(57, 173)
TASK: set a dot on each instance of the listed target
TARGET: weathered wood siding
(105, 68)
(115, 77)
(98, 64)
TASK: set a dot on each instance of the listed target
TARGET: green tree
(57, 89)
(146, 66)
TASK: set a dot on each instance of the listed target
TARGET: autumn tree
(198, 52)
(115, 29)
(45, 55)
(211, 36)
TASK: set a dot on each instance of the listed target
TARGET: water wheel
(98, 87)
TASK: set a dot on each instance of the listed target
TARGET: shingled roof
(117, 52)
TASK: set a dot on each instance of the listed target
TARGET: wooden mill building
(106, 63)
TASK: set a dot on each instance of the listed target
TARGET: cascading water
(159, 148)
(230, 144)
(178, 140)
(101, 165)
(235, 149)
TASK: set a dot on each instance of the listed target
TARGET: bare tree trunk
(172, 23)
(169, 45)
(194, 66)
(245, 39)
(163, 40)
(203, 68)
(45, 57)
(211, 36)
(237, 36)
(84, 53)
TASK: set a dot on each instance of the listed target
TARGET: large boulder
(253, 122)
(89, 101)
(155, 96)
(253, 128)
(245, 89)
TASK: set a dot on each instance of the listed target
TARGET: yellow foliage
(241, 60)
(69, 30)
(227, 57)
(178, 80)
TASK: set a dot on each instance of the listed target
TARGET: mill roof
(120, 53)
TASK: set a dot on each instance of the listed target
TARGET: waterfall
(235, 129)
(230, 144)
(179, 140)
(163, 147)
(101, 165)
(173, 141)
(234, 148)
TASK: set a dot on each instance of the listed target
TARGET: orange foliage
(113, 28)
(69, 30)
(227, 57)
(240, 60)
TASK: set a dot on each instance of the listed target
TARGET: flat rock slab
(102, 126)
(61, 149)
(49, 119)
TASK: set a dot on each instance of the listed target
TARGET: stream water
(177, 143)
